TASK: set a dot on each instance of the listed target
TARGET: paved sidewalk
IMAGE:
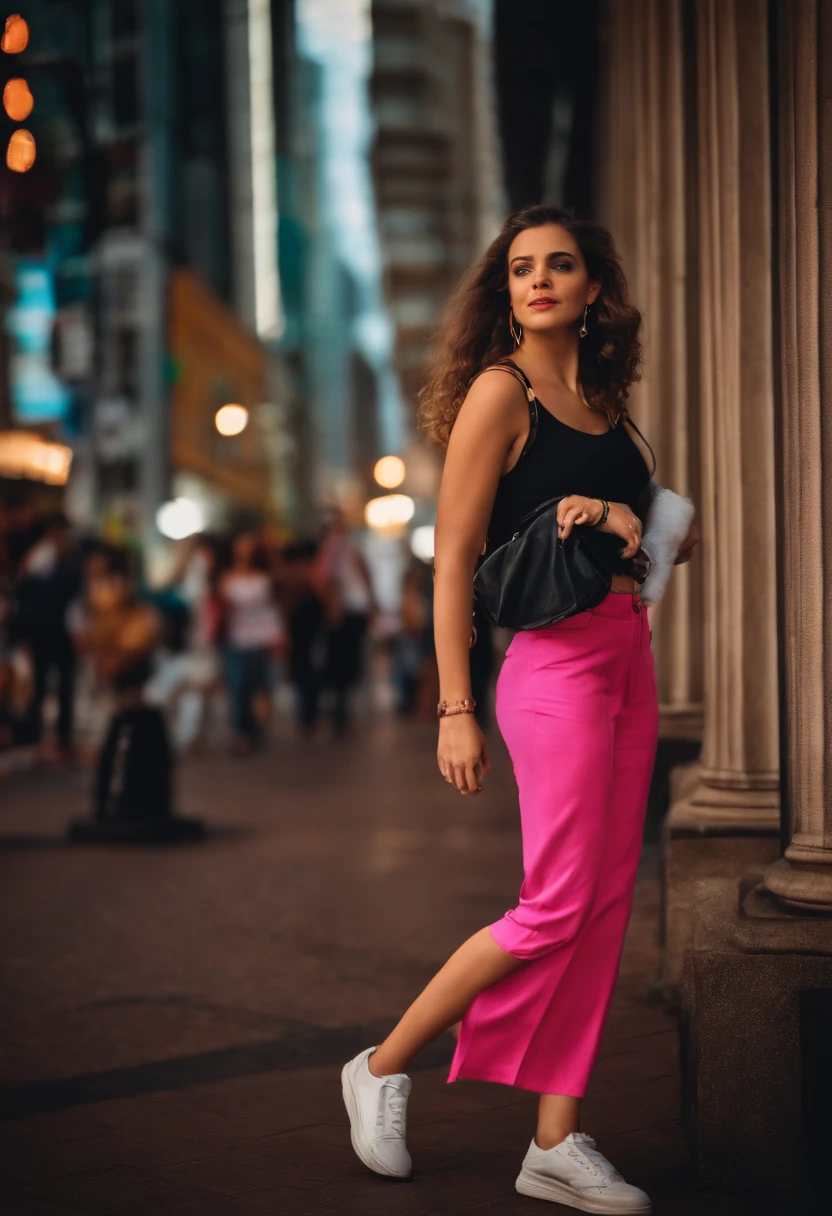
(174, 1020)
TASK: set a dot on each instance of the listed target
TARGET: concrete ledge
(755, 994)
(690, 856)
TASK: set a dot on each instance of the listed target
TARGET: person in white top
(252, 633)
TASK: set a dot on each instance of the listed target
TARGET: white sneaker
(576, 1174)
(377, 1107)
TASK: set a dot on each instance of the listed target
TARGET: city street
(174, 1019)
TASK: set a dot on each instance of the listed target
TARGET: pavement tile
(106, 1192)
(16, 1204)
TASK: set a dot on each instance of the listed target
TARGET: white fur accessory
(668, 521)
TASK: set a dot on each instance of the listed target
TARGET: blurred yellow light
(231, 419)
(18, 101)
(15, 36)
(21, 152)
(24, 454)
(389, 511)
(389, 471)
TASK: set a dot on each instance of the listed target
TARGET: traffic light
(17, 98)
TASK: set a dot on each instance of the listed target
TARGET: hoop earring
(518, 338)
(583, 331)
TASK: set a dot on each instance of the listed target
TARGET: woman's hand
(621, 521)
(576, 509)
(462, 753)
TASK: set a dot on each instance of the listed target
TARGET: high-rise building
(433, 161)
(337, 338)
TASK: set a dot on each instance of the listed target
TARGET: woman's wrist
(603, 514)
(452, 708)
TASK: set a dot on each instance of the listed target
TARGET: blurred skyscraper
(435, 162)
(337, 327)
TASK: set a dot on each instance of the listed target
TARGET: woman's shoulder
(504, 376)
(495, 398)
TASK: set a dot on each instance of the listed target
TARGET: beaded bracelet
(447, 709)
(604, 513)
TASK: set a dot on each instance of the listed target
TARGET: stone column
(727, 821)
(647, 206)
(757, 985)
(803, 878)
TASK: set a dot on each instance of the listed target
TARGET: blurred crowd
(240, 618)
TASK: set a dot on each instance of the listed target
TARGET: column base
(756, 1003)
(681, 721)
(705, 838)
(802, 886)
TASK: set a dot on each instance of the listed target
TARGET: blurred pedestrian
(252, 635)
(412, 646)
(114, 627)
(346, 590)
(120, 633)
(16, 683)
(48, 580)
(188, 673)
(304, 615)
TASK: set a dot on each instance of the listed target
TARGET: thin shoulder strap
(508, 365)
(644, 440)
(519, 374)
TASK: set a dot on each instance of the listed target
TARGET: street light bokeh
(18, 101)
(421, 543)
(389, 511)
(21, 152)
(15, 36)
(180, 518)
(389, 471)
(231, 419)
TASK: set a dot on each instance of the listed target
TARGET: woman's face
(548, 280)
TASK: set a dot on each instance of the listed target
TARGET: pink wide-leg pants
(578, 709)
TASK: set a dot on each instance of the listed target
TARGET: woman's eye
(566, 266)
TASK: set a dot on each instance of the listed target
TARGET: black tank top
(559, 459)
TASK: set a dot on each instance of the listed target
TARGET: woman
(252, 632)
(576, 701)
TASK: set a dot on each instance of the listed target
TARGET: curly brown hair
(475, 333)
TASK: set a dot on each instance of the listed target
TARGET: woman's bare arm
(491, 420)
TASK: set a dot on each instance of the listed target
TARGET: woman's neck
(552, 356)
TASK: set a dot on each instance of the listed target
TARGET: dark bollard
(133, 786)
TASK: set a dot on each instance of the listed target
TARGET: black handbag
(537, 579)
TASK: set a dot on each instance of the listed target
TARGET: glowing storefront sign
(37, 394)
(23, 454)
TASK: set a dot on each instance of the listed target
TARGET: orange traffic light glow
(15, 37)
(21, 152)
(18, 101)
